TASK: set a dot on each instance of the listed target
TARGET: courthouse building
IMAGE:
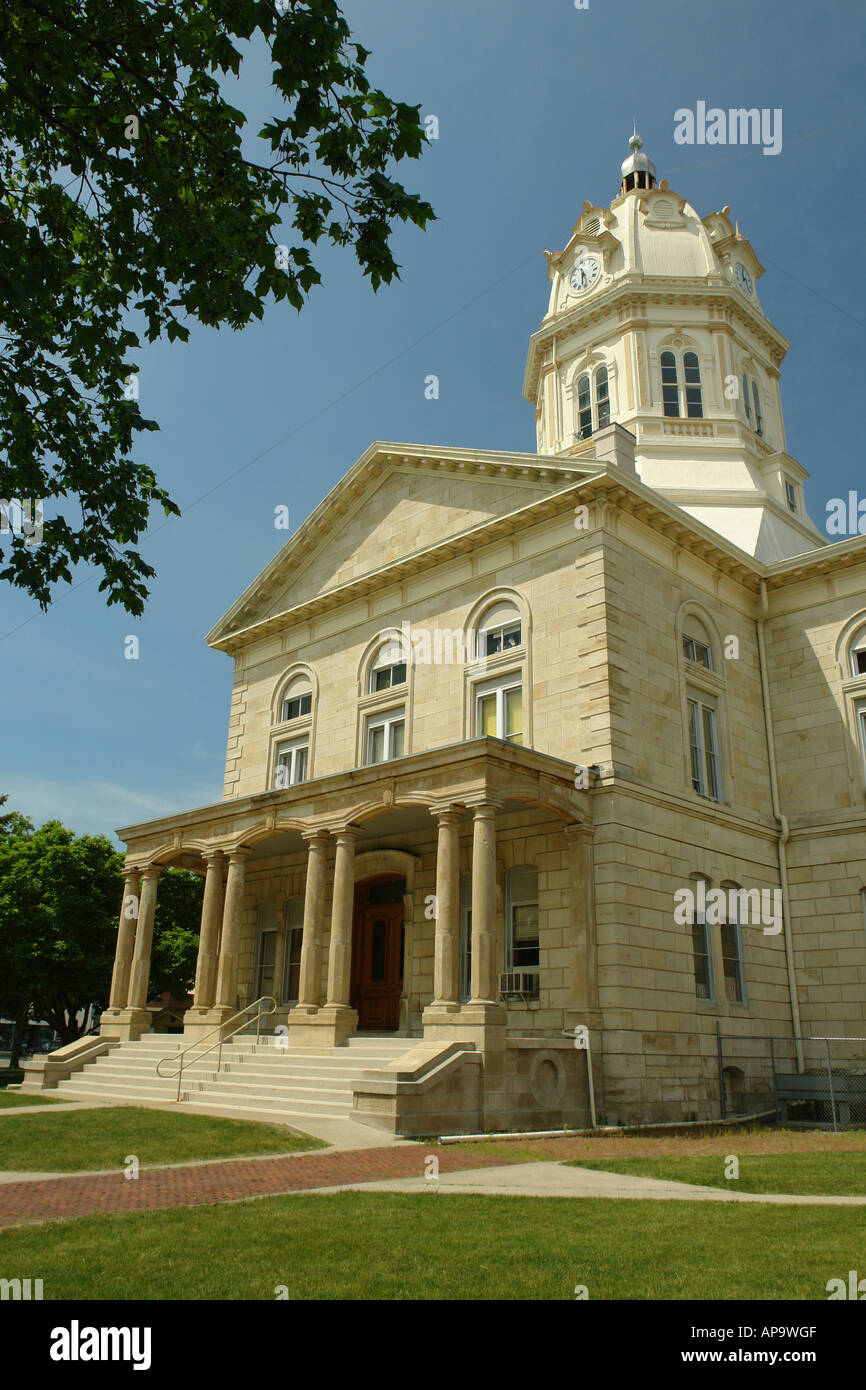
(493, 713)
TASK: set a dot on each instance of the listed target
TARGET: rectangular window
(703, 973)
(294, 941)
(266, 951)
(732, 963)
(704, 749)
(386, 736)
(790, 495)
(387, 676)
(499, 710)
(500, 639)
(291, 766)
(698, 652)
(521, 920)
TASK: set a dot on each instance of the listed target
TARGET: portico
(418, 837)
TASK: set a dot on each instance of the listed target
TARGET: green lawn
(818, 1174)
(74, 1141)
(8, 1099)
(434, 1246)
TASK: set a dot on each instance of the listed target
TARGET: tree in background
(176, 932)
(125, 186)
(60, 896)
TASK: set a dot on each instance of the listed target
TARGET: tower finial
(637, 170)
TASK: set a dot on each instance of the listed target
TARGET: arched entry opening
(378, 952)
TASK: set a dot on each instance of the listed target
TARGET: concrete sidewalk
(556, 1180)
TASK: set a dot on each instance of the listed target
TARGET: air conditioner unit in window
(518, 984)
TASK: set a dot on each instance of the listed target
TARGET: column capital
(446, 813)
(576, 831)
(131, 871)
(211, 856)
(316, 837)
(347, 834)
(152, 872)
(239, 854)
(486, 808)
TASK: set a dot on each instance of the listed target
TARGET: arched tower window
(670, 384)
(584, 407)
(682, 393)
(602, 397)
(694, 396)
(759, 419)
(592, 408)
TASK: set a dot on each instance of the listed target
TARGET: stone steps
(256, 1076)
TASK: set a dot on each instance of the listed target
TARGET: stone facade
(543, 836)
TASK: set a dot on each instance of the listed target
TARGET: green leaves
(164, 215)
(60, 898)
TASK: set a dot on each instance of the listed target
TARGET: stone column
(310, 987)
(484, 906)
(140, 973)
(446, 950)
(125, 941)
(227, 981)
(333, 1022)
(209, 937)
(583, 975)
(340, 953)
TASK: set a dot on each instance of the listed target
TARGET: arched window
(670, 385)
(602, 397)
(292, 734)
(499, 630)
(592, 412)
(701, 948)
(584, 407)
(732, 946)
(694, 396)
(703, 696)
(297, 699)
(696, 643)
(682, 394)
(857, 653)
(759, 419)
(389, 667)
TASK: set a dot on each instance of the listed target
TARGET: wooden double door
(378, 948)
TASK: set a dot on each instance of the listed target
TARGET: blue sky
(535, 104)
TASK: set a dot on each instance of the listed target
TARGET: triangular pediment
(398, 501)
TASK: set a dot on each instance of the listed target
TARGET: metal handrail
(223, 1037)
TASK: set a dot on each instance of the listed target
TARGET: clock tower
(654, 323)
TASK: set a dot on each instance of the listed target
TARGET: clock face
(744, 279)
(585, 274)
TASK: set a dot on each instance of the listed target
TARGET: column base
(124, 1025)
(200, 1020)
(481, 1024)
(329, 1026)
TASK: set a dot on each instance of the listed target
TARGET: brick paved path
(23, 1203)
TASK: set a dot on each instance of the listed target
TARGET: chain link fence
(821, 1083)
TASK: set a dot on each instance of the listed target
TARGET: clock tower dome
(654, 323)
